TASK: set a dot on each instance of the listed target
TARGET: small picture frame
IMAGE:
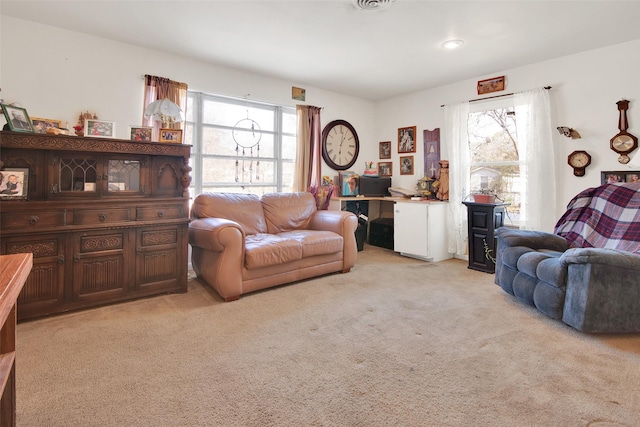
(141, 133)
(17, 118)
(298, 93)
(170, 135)
(14, 183)
(608, 177)
(99, 128)
(407, 140)
(494, 84)
(349, 183)
(385, 168)
(41, 125)
(385, 149)
(406, 165)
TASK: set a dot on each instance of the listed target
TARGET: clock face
(624, 143)
(579, 160)
(340, 145)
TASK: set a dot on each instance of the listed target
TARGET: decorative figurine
(443, 180)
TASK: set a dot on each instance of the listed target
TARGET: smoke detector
(372, 5)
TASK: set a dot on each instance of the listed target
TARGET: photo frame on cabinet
(41, 125)
(14, 183)
(385, 168)
(141, 133)
(385, 150)
(406, 165)
(17, 118)
(170, 135)
(99, 128)
(407, 140)
(608, 177)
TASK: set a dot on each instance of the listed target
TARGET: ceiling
(329, 44)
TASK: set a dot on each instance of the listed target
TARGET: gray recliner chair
(587, 274)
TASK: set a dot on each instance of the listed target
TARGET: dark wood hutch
(105, 219)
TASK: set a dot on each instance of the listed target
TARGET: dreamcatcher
(247, 135)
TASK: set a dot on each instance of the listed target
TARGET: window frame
(196, 126)
(494, 104)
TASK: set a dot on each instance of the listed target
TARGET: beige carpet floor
(395, 342)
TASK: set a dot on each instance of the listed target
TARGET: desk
(14, 270)
(420, 229)
(379, 207)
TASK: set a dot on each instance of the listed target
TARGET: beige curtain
(159, 88)
(307, 165)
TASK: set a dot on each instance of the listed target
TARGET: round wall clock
(623, 143)
(340, 145)
(579, 160)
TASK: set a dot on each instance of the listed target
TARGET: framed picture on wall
(608, 177)
(385, 168)
(406, 165)
(385, 150)
(493, 84)
(407, 140)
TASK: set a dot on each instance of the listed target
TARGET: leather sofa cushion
(245, 209)
(288, 211)
(262, 250)
(316, 242)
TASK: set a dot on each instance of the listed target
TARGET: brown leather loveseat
(242, 243)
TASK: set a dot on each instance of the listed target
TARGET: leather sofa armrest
(341, 222)
(214, 234)
(532, 239)
(608, 257)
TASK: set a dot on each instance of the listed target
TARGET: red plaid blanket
(603, 217)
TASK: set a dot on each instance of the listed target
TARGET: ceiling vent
(372, 5)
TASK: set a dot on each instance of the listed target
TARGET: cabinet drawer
(100, 216)
(32, 220)
(159, 212)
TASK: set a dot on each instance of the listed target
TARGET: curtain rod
(496, 96)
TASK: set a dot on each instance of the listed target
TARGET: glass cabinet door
(75, 175)
(86, 176)
(123, 175)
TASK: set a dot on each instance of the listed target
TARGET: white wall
(57, 74)
(585, 89)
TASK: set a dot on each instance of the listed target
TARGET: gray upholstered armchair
(587, 274)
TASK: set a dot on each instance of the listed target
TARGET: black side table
(483, 219)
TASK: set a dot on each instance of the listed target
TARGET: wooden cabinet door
(102, 264)
(161, 258)
(44, 289)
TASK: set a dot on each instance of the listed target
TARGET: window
(493, 150)
(239, 146)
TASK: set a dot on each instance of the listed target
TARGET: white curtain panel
(537, 166)
(456, 137)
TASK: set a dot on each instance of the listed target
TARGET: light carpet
(395, 342)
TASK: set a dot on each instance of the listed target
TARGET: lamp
(165, 111)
